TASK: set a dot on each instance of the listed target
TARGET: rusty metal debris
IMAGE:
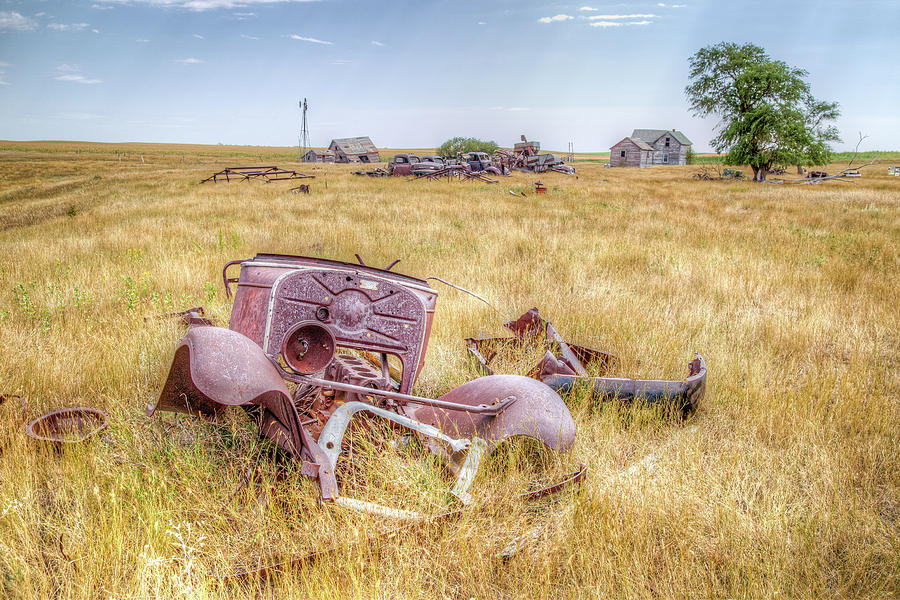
(267, 572)
(453, 171)
(376, 172)
(268, 173)
(313, 342)
(571, 366)
(68, 425)
(526, 156)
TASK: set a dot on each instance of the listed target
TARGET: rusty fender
(538, 412)
(215, 368)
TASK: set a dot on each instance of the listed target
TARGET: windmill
(303, 140)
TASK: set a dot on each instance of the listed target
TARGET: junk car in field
(313, 342)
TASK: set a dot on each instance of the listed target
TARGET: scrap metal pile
(376, 172)
(454, 171)
(526, 156)
(247, 173)
(313, 342)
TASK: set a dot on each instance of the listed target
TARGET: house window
(667, 142)
(666, 157)
(622, 154)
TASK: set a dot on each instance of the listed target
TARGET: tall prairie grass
(785, 483)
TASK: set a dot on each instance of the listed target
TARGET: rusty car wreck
(313, 342)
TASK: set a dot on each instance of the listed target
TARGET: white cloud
(589, 8)
(142, 40)
(188, 61)
(102, 6)
(198, 36)
(341, 61)
(3, 64)
(249, 37)
(310, 39)
(618, 23)
(95, 31)
(68, 27)
(75, 78)
(75, 116)
(555, 18)
(13, 21)
(518, 108)
(620, 17)
(243, 16)
(201, 5)
(374, 43)
(482, 23)
(3, 80)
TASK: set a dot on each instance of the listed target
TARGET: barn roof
(651, 135)
(355, 145)
(324, 152)
(636, 141)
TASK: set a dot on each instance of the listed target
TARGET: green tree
(454, 146)
(767, 114)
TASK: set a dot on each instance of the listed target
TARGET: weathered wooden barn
(319, 156)
(631, 152)
(648, 147)
(354, 150)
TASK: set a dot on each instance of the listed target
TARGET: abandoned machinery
(313, 342)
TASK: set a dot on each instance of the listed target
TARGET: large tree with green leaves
(461, 145)
(767, 113)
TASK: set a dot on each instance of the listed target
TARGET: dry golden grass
(786, 483)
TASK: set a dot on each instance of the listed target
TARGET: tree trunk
(756, 172)
(799, 169)
(763, 171)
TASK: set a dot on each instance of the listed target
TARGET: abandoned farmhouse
(319, 156)
(354, 150)
(648, 147)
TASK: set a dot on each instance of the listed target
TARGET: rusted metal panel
(537, 412)
(570, 368)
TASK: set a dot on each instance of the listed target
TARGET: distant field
(785, 483)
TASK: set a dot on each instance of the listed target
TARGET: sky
(411, 74)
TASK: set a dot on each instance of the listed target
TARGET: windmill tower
(303, 140)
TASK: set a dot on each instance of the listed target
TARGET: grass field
(785, 483)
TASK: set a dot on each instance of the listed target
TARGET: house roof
(355, 145)
(636, 141)
(325, 152)
(651, 135)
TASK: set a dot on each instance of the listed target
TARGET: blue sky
(412, 74)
